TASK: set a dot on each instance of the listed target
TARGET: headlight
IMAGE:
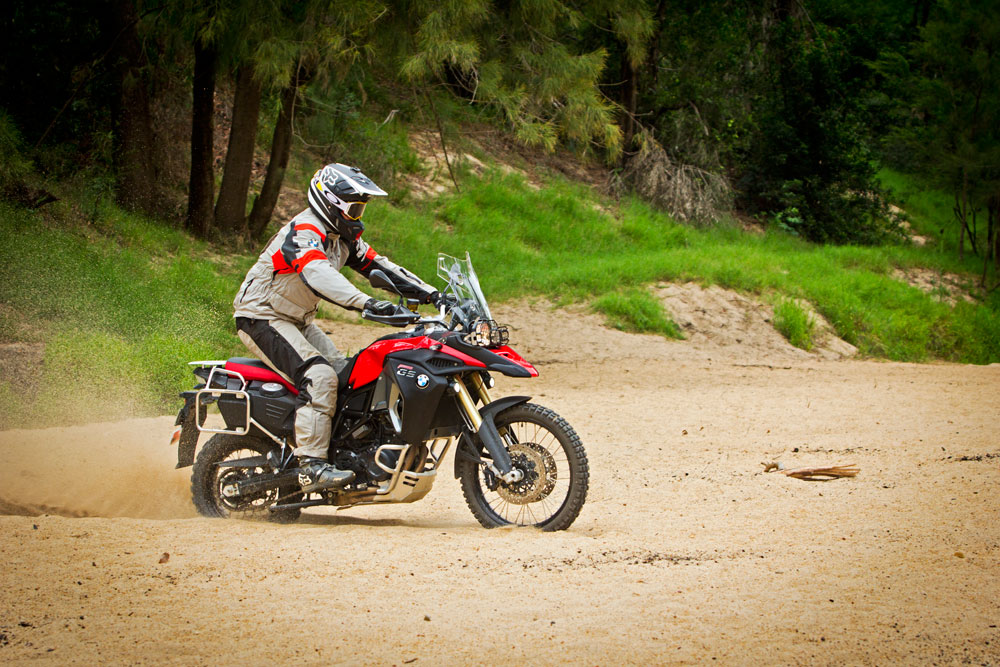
(480, 334)
(487, 333)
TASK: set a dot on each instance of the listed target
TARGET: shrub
(637, 311)
(794, 323)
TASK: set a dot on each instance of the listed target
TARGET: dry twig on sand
(821, 473)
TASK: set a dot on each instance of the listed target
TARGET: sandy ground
(686, 552)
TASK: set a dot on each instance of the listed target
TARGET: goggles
(354, 210)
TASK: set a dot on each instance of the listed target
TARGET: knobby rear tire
(205, 476)
(569, 441)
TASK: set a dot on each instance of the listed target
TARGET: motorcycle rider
(277, 302)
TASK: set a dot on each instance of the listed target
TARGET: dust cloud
(115, 469)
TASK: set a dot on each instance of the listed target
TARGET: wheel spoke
(548, 455)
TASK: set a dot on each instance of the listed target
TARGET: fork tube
(501, 465)
(480, 387)
(468, 404)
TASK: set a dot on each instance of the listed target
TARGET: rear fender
(188, 440)
(488, 437)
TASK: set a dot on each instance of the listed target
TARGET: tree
(808, 162)
(954, 128)
(281, 145)
(319, 38)
(230, 207)
(133, 125)
(524, 60)
(201, 184)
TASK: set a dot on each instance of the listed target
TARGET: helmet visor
(355, 210)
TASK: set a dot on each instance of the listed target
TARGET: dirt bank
(686, 551)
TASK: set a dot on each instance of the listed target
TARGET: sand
(685, 552)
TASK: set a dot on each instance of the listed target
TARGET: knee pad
(320, 381)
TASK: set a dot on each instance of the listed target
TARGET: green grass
(930, 213)
(122, 302)
(557, 242)
(794, 323)
(637, 311)
(122, 305)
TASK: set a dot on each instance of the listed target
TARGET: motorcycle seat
(255, 369)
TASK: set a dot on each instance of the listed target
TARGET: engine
(356, 451)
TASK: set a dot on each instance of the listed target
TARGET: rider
(278, 299)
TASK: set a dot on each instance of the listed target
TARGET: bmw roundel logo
(422, 380)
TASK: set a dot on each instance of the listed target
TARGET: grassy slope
(122, 303)
(558, 243)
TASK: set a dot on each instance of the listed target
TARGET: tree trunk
(993, 234)
(201, 186)
(133, 124)
(281, 145)
(630, 96)
(653, 60)
(995, 221)
(230, 209)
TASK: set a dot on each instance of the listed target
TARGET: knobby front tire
(557, 474)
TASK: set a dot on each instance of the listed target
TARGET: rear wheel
(550, 455)
(212, 487)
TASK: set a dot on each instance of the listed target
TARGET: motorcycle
(403, 402)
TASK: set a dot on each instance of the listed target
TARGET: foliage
(809, 151)
(950, 87)
(121, 305)
(778, 99)
(544, 86)
(14, 166)
(638, 311)
(794, 323)
(338, 128)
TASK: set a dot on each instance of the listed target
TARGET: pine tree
(523, 58)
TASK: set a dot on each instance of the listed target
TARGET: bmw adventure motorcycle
(402, 403)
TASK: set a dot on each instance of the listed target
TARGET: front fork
(479, 387)
(501, 465)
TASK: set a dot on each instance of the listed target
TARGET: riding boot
(318, 475)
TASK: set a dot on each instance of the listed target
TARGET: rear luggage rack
(239, 394)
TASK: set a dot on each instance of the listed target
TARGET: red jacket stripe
(370, 256)
(300, 263)
(279, 263)
(312, 228)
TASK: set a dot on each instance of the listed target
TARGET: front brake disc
(539, 468)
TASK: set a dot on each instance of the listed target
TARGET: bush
(14, 166)
(794, 323)
(808, 166)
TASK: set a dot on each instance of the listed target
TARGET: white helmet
(338, 195)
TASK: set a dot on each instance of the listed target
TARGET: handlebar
(403, 317)
(400, 318)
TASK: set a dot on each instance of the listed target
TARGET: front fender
(488, 437)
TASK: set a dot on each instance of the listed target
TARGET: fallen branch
(817, 474)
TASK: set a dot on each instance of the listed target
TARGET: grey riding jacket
(301, 265)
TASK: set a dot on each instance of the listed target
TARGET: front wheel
(556, 474)
(211, 485)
